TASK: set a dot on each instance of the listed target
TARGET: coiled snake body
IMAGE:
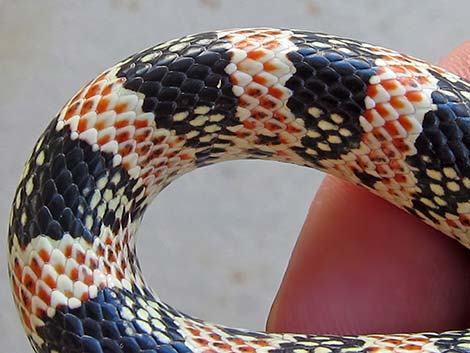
(391, 123)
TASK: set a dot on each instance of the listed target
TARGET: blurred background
(216, 242)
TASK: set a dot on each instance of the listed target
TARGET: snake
(393, 124)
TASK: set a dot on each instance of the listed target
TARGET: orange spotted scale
(394, 124)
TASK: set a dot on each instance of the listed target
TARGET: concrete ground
(216, 242)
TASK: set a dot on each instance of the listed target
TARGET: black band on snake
(396, 125)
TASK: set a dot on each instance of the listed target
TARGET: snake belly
(389, 122)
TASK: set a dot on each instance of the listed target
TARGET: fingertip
(458, 60)
(362, 265)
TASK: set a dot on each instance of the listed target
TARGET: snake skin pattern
(391, 123)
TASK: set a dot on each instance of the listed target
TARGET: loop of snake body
(394, 124)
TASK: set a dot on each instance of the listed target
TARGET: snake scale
(394, 124)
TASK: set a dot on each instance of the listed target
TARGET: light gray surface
(217, 241)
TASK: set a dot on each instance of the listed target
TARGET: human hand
(361, 265)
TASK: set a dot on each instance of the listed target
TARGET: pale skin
(362, 265)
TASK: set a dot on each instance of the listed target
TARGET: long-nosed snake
(389, 122)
